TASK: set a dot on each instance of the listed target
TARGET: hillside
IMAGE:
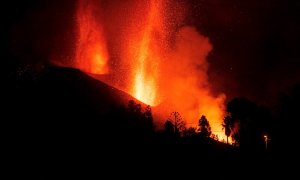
(63, 108)
(61, 121)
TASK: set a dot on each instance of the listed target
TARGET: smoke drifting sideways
(143, 48)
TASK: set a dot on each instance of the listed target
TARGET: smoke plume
(143, 48)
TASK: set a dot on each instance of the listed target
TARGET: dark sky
(256, 42)
(256, 45)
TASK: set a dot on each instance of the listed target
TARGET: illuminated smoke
(151, 56)
(185, 85)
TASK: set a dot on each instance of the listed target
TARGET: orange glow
(160, 62)
(144, 84)
(145, 72)
(91, 53)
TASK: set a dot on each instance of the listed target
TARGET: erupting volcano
(145, 50)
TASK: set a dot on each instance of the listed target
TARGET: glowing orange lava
(91, 53)
(146, 67)
(160, 62)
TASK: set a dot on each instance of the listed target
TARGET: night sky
(256, 45)
(256, 42)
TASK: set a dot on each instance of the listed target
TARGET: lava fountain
(162, 62)
(91, 52)
(146, 68)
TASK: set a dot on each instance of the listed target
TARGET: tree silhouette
(248, 123)
(139, 121)
(169, 127)
(134, 107)
(178, 123)
(227, 125)
(149, 118)
(204, 127)
(191, 131)
(148, 113)
(242, 113)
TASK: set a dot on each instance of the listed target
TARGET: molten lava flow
(91, 53)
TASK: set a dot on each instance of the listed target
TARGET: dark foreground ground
(61, 124)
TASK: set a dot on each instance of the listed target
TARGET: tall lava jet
(146, 57)
(145, 50)
(91, 52)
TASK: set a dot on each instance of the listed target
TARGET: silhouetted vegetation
(204, 127)
(189, 132)
(65, 113)
(247, 123)
(175, 124)
(228, 126)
